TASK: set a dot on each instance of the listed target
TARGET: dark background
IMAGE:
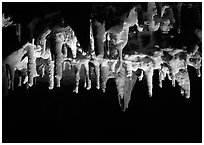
(42, 115)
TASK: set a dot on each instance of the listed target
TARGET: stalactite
(25, 80)
(146, 64)
(173, 65)
(149, 75)
(77, 77)
(183, 80)
(96, 66)
(87, 79)
(31, 65)
(92, 41)
(124, 87)
(58, 57)
(10, 78)
(162, 76)
(170, 62)
(12, 62)
(120, 83)
(51, 74)
(19, 81)
(97, 71)
(104, 74)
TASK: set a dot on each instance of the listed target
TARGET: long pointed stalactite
(104, 74)
(125, 86)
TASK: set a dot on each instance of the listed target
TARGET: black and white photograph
(101, 72)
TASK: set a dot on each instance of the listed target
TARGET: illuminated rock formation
(62, 37)
(122, 67)
(170, 62)
(17, 61)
